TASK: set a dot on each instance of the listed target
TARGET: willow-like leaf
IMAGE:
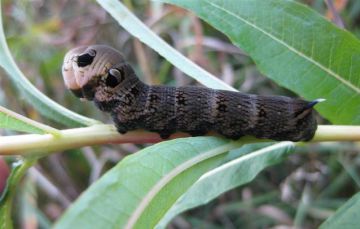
(141, 188)
(228, 176)
(6, 199)
(295, 46)
(139, 30)
(14, 121)
(346, 216)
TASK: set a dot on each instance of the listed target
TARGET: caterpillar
(100, 73)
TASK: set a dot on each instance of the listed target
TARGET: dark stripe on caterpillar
(114, 87)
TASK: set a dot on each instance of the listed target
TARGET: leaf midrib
(171, 175)
(291, 48)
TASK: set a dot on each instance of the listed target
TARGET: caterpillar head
(95, 72)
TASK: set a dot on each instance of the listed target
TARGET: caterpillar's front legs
(121, 127)
(165, 134)
(195, 133)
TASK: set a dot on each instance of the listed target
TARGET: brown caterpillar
(100, 73)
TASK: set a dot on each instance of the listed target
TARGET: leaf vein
(291, 48)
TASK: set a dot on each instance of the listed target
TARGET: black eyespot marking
(111, 81)
(86, 58)
(115, 76)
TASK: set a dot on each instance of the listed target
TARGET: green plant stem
(331, 133)
(29, 144)
(6, 200)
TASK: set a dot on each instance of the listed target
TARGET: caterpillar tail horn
(313, 103)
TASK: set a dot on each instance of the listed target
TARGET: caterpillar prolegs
(101, 74)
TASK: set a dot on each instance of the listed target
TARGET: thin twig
(30, 144)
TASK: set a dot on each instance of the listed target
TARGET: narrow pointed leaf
(14, 121)
(139, 30)
(228, 176)
(346, 217)
(6, 198)
(294, 46)
(141, 188)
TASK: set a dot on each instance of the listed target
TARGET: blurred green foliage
(39, 33)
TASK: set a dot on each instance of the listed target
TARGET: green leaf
(141, 188)
(294, 46)
(32, 95)
(228, 176)
(6, 199)
(139, 30)
(14, 121)
(346, 217)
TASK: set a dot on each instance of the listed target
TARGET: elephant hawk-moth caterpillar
(101, 74)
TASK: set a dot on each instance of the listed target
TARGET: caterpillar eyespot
(86, 58)
(114, 77)
(100, 73)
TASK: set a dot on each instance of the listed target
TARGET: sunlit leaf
(346, 217)
(136, 28)
(294, 46)
(5, 214)
(14, 121)
(141, 188)
(228, 176)
(7, 196)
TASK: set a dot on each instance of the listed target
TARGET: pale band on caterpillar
(101, 74)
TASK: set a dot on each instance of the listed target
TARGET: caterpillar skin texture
(100, 73)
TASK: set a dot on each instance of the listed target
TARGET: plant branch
(29, 144)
